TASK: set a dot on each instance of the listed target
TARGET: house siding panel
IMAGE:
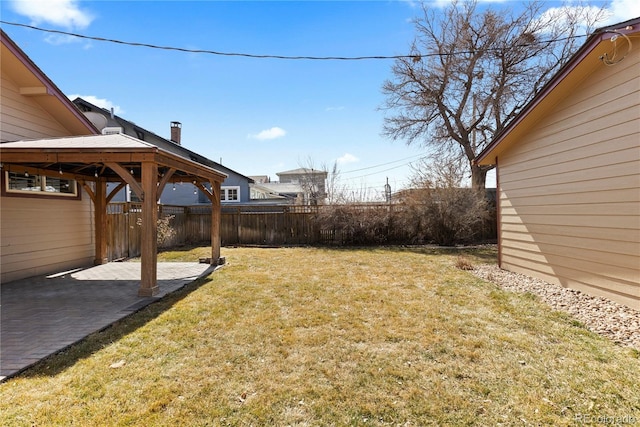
(23, 118)
(570, 190)
(41, 236)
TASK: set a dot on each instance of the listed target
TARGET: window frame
(42, 192)
(224, 193)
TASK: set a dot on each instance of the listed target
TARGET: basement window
(27, 184)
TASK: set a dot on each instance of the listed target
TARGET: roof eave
(489, 154)
(71, 117)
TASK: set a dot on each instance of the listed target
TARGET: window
(39, 185)
(230, 194)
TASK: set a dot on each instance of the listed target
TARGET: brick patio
(43, 315)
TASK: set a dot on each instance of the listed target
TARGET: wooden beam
(100, 216)
(128, 178)
(163, 182)
(202, 187)
(88, 157)
(149, 245)
(115, 191)
(34, 91)
(215, 221)
(89, 191)
(190, 167)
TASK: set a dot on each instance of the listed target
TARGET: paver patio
(42, 315)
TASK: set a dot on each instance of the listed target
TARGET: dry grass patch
(334, 337)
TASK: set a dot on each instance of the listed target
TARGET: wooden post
(149, 245)
(100, 217)
(215, 222)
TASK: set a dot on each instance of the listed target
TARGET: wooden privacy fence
(123, 232)
(247, 225)
(258, 225)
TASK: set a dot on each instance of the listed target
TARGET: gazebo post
(100, 217)
(215, 222)
(149, 246)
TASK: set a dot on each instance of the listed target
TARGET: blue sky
(260, 116)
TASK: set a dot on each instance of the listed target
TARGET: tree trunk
(478, 177)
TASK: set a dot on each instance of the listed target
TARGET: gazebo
(95, 160)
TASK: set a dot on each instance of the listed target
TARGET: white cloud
(588, 17)
(273, 133)
(99, 102)
(347, 158)
(340, 108)
(623, 10)
(58, 39)
(63, 13)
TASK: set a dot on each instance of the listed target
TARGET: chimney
(176, 130)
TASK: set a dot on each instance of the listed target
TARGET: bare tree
(470, 72)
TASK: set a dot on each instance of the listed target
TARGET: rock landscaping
(601, 315)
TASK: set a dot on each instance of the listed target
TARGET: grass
(304, 336)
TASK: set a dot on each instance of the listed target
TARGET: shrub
(448, 215)
(165, 231)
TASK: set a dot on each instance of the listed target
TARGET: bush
(444, 216)
(447, 216)
(356, 224)
(165, 232)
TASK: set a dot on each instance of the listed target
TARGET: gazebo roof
(88, 155)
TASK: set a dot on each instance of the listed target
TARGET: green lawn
(304, 336)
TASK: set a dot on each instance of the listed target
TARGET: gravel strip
(603, 316)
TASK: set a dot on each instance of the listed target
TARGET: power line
(211, 52)
(415, 57)
(384, 170)
(419, 156)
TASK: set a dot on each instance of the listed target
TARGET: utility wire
(416, 57)
(420, 157)
(384, 170)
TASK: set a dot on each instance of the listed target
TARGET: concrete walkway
(42, 315)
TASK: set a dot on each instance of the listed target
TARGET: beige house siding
(40, 236)
(23, 117)
(570, 189)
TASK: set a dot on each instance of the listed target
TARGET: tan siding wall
(570, 191)
(40, 236)
(23, 118)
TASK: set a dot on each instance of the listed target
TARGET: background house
(235, 188)
(304, 186)
(568, 173)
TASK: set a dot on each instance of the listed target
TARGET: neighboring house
(300, 186)
(235, 188)
(568, 173)
(55, 170)
(263, 192)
